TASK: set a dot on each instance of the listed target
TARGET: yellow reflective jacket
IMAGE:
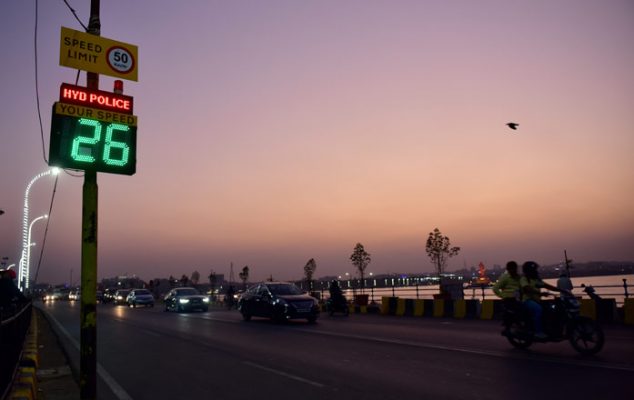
(507, 287)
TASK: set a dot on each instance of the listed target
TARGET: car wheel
(312, 319)
(152, 305)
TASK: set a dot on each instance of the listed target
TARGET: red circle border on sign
(127, 51)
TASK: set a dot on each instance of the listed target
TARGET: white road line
(490, 353)
(282, 373)
(118, 391)
(423, 345)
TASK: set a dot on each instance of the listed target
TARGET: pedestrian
(229, 296)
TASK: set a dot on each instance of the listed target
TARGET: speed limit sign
(120, 59)
(92, 53)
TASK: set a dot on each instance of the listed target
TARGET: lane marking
(118, 391)
(422, 345)
(284, 374)
(490, 353)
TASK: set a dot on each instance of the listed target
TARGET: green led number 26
(118, 157)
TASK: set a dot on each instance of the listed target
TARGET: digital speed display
(92, 140)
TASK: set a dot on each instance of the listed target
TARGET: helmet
(529, 269)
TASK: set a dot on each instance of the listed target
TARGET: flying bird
(513, 125)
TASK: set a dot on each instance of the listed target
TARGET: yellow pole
(88, 313)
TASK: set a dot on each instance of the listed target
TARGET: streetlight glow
(22, 269)
(28, 251)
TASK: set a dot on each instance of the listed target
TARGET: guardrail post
(625, 288)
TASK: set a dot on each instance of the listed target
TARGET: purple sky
(275, 132)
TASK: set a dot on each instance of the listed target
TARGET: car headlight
(183, 301)
(119, 297)
(205, 299)
(279, 301)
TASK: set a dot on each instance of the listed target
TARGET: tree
(195, 277)
(360, 259)
(244, 276)
(309, 271)
(184, 280)
(439, 250)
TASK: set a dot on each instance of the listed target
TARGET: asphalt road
(152, 354)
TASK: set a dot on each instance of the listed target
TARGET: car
(140, 297)
(74, 295)
(108, 295)
(53, 295)
(57, 294)
(120, 296)
(279, 301)
(184, 299)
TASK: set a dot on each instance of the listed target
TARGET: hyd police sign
(93, 130)
(97, 54)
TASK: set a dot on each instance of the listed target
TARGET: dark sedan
(279, 301)
(140, 297)
(185, 299)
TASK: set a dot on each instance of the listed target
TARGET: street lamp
(22, 270)
(28, 251)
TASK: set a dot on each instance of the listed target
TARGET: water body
(607, 286)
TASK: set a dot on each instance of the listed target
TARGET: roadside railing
(14, 323)
(618, 292)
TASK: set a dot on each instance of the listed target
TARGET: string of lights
(48, 221)
(39, 114)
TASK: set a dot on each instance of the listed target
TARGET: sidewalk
(54, 375)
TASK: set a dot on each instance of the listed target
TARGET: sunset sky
(272, 132)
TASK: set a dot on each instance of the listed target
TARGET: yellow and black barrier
(604, 310)
(24, 386)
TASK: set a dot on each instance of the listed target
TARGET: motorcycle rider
(531, 285)
(508, 289)
(336, 294)
(508, 286)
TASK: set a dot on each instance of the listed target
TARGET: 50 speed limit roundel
(120, 59)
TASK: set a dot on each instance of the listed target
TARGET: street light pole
(27, 268)
(23, 285)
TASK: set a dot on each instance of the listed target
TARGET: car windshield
(122, 292)
(186, 292)
(138, 292)
(284, 289)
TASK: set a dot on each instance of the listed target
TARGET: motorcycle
(340, 305)
(561, 321)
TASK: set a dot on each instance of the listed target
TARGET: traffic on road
(217, 353)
